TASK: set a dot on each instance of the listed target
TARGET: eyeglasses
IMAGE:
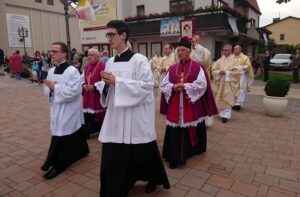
(54, 51)
(110, 35)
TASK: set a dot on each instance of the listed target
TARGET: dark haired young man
(129, 148)
(63, 89)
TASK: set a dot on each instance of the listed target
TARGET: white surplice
(130, 103)
(66, 115)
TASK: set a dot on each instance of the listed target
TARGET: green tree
(271, 46)
(282, 1)
(291, 48)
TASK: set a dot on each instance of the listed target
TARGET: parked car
(281, 62)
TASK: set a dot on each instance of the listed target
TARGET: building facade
(218, 22)
(44, 20)
(285, 32)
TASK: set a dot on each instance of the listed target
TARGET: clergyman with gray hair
(226, 75)
(93, 110)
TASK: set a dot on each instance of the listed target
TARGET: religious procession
(192, 82)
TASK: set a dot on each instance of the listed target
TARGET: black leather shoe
(224, 120)
(45, 168)
(150, 188)
(237, 108)
(51, 174)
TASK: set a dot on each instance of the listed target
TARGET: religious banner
(15, 21)
(187, 28)
(170, 26)
(107, 13)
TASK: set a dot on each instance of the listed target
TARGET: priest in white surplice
(63, 90)
(129, 148)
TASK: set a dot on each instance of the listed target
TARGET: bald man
(247, 76)
(93, 110)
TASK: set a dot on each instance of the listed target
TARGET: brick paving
(251, 155)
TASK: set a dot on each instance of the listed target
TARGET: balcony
(204, 22)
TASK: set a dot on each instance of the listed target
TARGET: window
(181, 5)
(50, 2)
(38, 1)
(221, 3)
(140, 10)
(253, 22)
(281, 36)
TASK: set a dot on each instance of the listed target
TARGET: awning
(232, 23)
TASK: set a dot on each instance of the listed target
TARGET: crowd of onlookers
(40, 62)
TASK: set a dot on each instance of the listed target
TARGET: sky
(270, 9)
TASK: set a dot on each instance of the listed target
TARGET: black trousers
(266, 74)
(296, 76)
(124, 164)
(177, 144)
(65, 150)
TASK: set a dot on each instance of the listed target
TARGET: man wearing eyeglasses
(129, 148)
(63, 90)
(226, 75)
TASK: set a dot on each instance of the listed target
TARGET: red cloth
(16, 63)
(202, 107)
(173, 112)
(91, 100)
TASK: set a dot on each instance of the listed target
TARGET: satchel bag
(35, 66)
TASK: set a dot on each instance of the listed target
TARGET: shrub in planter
(277, 87)
(276, 102)
(26, 73)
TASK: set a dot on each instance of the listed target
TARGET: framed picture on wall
(187, 27)
(156, 47)
(142, 48)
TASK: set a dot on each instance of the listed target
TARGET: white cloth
(225, 113)
(241, 98)
(66, 115)
(198, 53)
(130, 104)
(194, 91)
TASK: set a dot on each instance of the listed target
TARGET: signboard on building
(15, 21)
(187, 28)
(107, 13)
(170, 26)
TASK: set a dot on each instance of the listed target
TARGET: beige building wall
(290, 27)
(47, 24)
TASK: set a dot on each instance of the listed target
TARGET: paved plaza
(251, 155)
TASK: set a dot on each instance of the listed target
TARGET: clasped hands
(178, 87)
(108, 78)
(88, 88)
(222, 72)
(50, 84)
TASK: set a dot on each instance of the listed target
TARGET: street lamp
(23, 33)
(66, 8)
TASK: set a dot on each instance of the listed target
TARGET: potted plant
(275, 102)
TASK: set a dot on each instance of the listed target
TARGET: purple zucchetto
(185, 42)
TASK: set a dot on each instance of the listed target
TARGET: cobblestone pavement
(251, 155)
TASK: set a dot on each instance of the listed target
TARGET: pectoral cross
(89, 78)
(182, 77)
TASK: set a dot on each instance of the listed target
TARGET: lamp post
(23, 33)
(66, 8)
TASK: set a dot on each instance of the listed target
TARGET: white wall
(230, 2)
(47, 26)
(254, 15)
(202, 3)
